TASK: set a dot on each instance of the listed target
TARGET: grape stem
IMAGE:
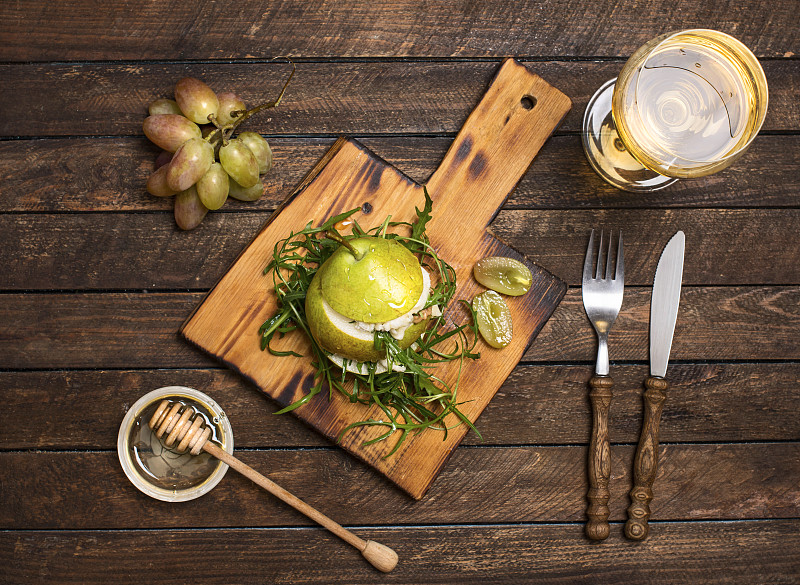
(225, 132)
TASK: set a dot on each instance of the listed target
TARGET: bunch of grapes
(202, 163)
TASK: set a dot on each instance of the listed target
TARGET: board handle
(599, 464)
(495, 146)
(645, 462)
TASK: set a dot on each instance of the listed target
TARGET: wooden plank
(712, 324)
(369, 29)
(537, 405)
(139, 330)
(110, 99)
(478, 485)
(85, 251)
(79, 171)
(549, 404)
(115, 330)
(738, 553)
(743, 241)
(110, 174)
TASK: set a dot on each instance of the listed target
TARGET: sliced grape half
(504, 275)
(494, 318)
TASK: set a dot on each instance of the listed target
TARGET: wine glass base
(606, 152)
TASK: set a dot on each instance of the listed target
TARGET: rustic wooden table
(97, 279)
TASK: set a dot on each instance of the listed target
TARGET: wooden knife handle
(645, 463)
(599, 458)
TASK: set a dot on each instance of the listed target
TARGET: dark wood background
(96, 280)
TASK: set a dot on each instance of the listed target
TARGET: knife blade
(664, 303)
(663, 315)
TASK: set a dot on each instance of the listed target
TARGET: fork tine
(609, 256)
(620, 274)
(587, 263)
(600, 260)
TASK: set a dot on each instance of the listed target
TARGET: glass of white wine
(686, 104)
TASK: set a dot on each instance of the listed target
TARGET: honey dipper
(174, 422)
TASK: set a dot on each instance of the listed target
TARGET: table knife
(663, 314)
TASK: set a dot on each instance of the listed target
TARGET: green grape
(253, 193)
(494, 318)
(260, 148)
(191, 161)
(157, 183)
(228, 102)
(239, 162)
(504, 275)
(169, 131)
(212, 188)
(196, 100)
(164, 106)
(189, 211)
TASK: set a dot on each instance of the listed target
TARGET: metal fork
(602, 299)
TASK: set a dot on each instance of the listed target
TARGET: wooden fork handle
(599, 466)
(645, 462)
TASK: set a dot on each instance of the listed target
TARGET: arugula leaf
(411, 400)
(423, 217)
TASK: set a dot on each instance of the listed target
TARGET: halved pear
(382, 283)
(339, 335)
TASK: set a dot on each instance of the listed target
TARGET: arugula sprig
(412, 399)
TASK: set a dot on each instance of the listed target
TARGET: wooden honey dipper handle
(380, 556)
(170, 421)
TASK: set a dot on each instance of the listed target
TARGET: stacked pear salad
(371, 304)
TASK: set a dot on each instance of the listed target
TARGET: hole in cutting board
(528, 102)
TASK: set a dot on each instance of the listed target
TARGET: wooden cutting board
(491, 153)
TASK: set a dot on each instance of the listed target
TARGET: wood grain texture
(488, 157)
(372, 29)
(96, 281)
(537, 405)
(738, 253)
(110, 99)
(85, 251)
(738, 553)
(109, 174)
(645, 461)
(139, 329)
(478, 485)
(598, 468)
(712, 322)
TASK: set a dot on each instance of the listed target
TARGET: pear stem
(334, 235)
